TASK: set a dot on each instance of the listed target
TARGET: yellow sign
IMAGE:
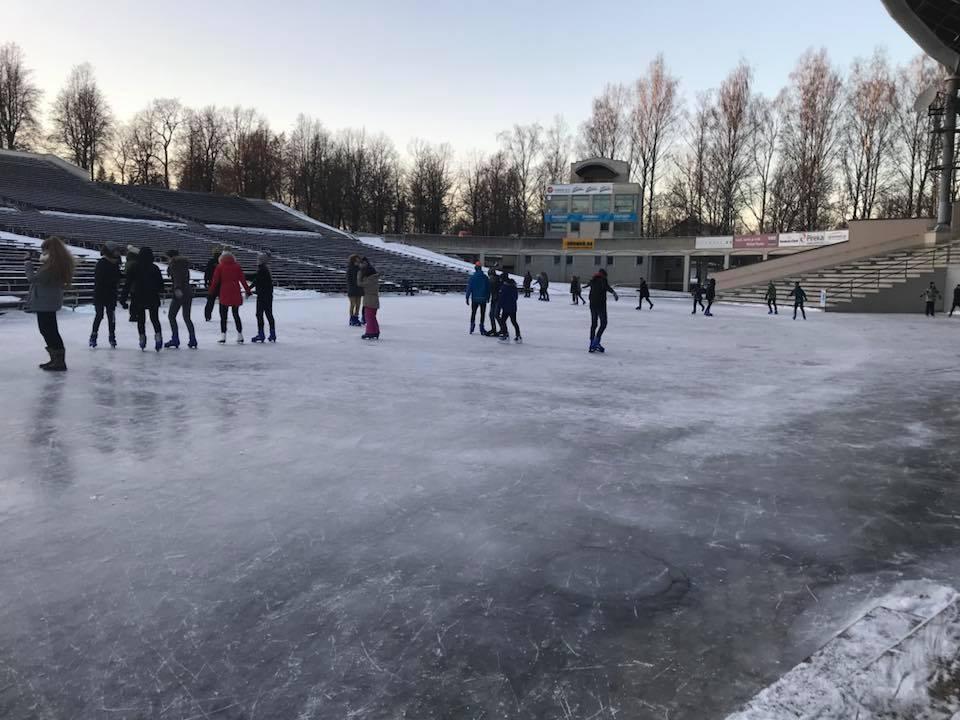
(578, 244)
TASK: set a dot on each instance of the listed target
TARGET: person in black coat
(263, 284)
(643, 293)
(697, 292)
(599, 288)
(354, 291)
(144, 288)
(494, 300)
(956, 299)
(527, 284)
(507, 302)
(208, 271)
(106, 280)
(711, 296)
(575, 291)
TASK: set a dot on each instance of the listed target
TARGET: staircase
(882, 283)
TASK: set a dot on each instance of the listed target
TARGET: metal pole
(949, 134)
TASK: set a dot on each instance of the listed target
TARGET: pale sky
(454, 71)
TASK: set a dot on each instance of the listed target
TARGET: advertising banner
(589, 217)
(715, 242)
(578, 244)
(832, 237)
(791, 239)
(755, 241)
(812, 239)
(581, 189)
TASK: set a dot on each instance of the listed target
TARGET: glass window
(639, 259)
(625, 203)
(574, 227)
(559, 205)
(601, 203)
(604, 227)
(556, 259)
(609, 259)
(569, 259)
(527, 259)
(596, 259)
(625, 228)
(581, 204)
(558, 227)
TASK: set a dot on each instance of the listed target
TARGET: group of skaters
(798, 294)
(932, 294)
(500, 291)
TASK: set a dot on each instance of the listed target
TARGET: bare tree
(912, 140)
(383, 167)
(430, 183)
(689, 195)
(81, 118)
(765, 120)
(143, 149)
(604, 133)
(167, 116)
(121, 153)
(202, 150)
(731, 131)
(19, 100)
(523, 146)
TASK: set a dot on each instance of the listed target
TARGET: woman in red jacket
(226, 283)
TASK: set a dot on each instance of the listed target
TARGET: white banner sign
(812, 239)
(583, 189)
(832, 237)
(716, 242)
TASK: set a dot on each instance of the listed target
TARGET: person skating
(478, 293)
(226, 285)
(527, 284)
(799, 298)
(956, 299)
(47, 284)
(643, 293)
(129, 270)
(354, 291)
(599, 288)
(106, 283)
(543, 281)
(711, 295)
(263, 284)
(508, 308)
(575, 291)
(208, 271)
(178, 270)
(494, 279)
(771, 298)
(144, 289)
(697, 292)
(369, 281)
(930, 296)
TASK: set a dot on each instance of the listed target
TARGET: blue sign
(589, 217)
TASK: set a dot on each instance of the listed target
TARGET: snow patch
(111, 218)
(307, 218)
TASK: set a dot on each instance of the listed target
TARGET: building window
(556, 259)
(559, 205)
(601, 203)
(625, 203)
(569, 259)
(639, 259)
(596, 259)
(604, 227)
(624, 228)
(527, 259)
(609, 259)
(558, 227)
(575, 227)
(581, 204)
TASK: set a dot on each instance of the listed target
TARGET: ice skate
(173, 342)
(600, 348)
(93, 340)
(593, 346)
(518, 339)
(223, 339)
(192, 342)
(272, 337)
(143, 342)
(473, 327)
(158, 342)
(113, 341)
(239, 338)
(258, 338)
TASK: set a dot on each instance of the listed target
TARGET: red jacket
(227, 279)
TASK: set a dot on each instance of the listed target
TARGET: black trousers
(473, 312)
(47, 323)
(598, 316)
(102, 309)
(526, 292)
(955, 306)
(578, 298)
(709, 305)
(236, 318)
(697, 301)
(494, 314)
(642, 298)
(930, 310)
(796, 305)
(208, 308)
(184, 303)
(265, 307)
(772, 305)
(141, 315)
(512, 317)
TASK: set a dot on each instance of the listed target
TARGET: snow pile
(899, 661)
(417, 252)
(260, 231)
(307, 218)
(112, 218)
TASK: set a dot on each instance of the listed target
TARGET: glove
(467, 302)
(616, 298)
(178, 294)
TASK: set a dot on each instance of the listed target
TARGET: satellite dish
(925, 99)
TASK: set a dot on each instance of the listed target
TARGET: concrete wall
(903, 298)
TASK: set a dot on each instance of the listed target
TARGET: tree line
(830, 147)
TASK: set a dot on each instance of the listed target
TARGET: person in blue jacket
(507, 305)
(478, 293)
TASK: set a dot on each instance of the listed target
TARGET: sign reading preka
(578, 244)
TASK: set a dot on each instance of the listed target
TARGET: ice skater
(711, 296)
(144, 289)
(494, 280)
(47, 284)
(208, 271)
(575, 291)
(527, 284)
(599, 287)
(930, 296)
(478, 293)
(226, 284)
(263, 284)
(106, 283)
(369, 281)
(129, 270)
(508, 307)
(354, 291)
(643, 293)
(544, 284)
(799, 298)
(956, 299)
(178, 270)
(771, 298)
(697, 292)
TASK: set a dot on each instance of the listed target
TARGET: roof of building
(933, 24)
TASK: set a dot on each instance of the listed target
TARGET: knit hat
(132, 249)
(109, 248)
(264, 257)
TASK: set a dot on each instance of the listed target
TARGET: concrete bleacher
(13, 281)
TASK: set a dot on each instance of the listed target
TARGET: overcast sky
(443, 70)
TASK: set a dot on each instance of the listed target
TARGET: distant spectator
(643, 293)
(575, 291)
(263, 284)
(46, 295)
(106, 281)
(771, 298)
(144, 288)
(930, 296)
(369, 280)
(407, 286)
(799, 298)
(354, 291)
(178, 270)
(527, 284)
(226, 284)
(956, 299)
(208, 272)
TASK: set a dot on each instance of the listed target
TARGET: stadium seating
(13, 281)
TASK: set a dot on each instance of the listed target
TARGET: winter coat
(771, 292)
(697, 291)
(210, 269)
(574, 287)
(353, 281)
(263, 281)
(543, 281)
(599, 287)
(144, 284)
(478, 289)
(507, 300)
(495, 283)
(46, 294)
(931, 294)
(227, 280)
(956, 295)
(644, 290)
(527, 281)
(106, 281)
(371, 290)
(711, 291)
(799, 295)
(178, 270)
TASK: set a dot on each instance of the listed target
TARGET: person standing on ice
(771, 298)
(46, 296)
(544, 283)
(494, 279)
(527, 284)
(956, 299)
(697, 292)
(799, 298)
(575, 292)
(226, 285)
(599, 287)
(129, 270)
(144, 290)
(369, 280)
(711, 296)
(478, 293)
(354, 291)
(930, 297)
(106, 281)
(643, 293)
(508, 308)
(263, 284)
(178, 270)
(208, 272)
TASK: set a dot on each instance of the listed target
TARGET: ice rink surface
(440, 526)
